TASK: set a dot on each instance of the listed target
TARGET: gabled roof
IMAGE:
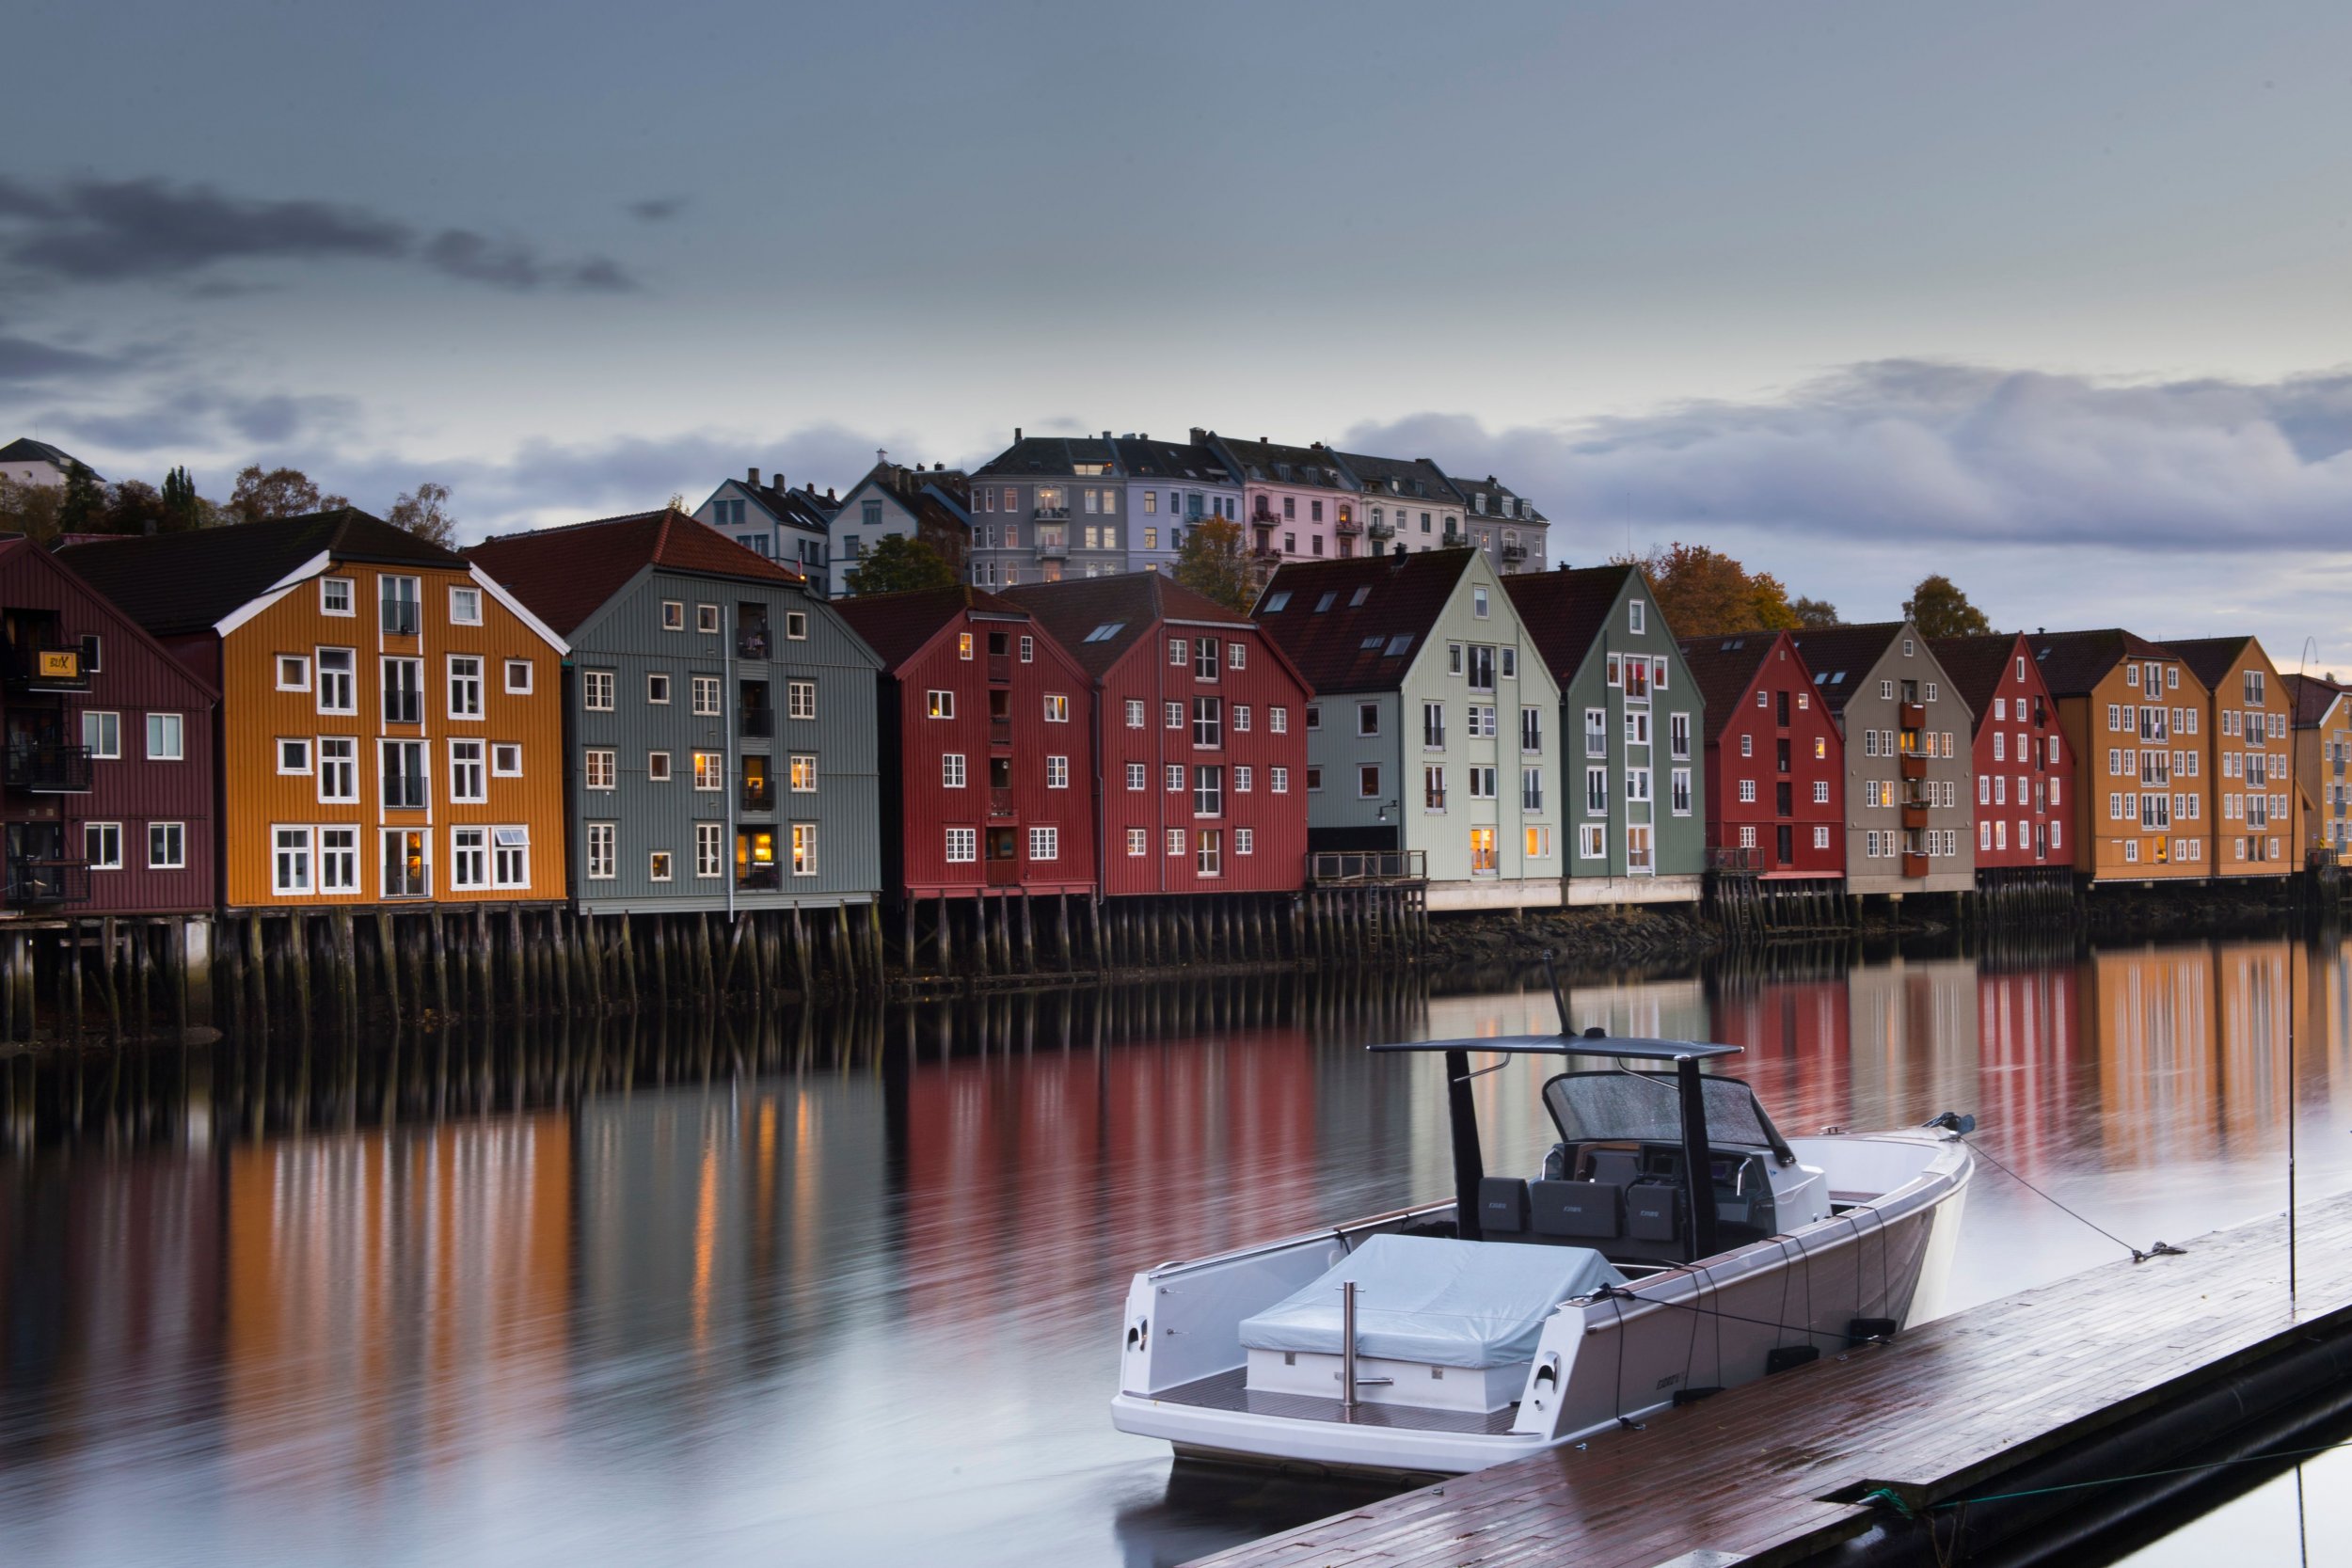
(801, 508)
(1315, 467)
(566, 575)
(17, 550)
(1977, 665)
(1077, 612)
(2074, 662)
(1402, 478)
(899, 626)
(1349, 645)
(1565, 611)
(1052, 456)
(2313, 696)
(2211, 658)
(1724, 669)
(1141, 457)
(25, 449)
(187, 583)
(1839, 656)
(1496, 493)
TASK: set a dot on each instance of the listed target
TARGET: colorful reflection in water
(842, 1292)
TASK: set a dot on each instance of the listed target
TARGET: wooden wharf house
(719, 748)
(2135, 716)
(2247, 756)
(1774, 783)
(2026, 770)
(2323, 758)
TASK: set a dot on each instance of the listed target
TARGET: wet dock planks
(1945, 1408)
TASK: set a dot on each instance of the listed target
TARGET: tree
(1704, 593)
(184, 509)
(898, 562)
(1814, 613)
(1939, 608)
(424, 512)
(1214, 564)
(132, 506)
(30, 510)
(277, 493)
(81, 508)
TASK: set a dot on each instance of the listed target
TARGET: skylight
(1104, 632)
(1397, 644)
(1325, 603)
(1355, 600)
(1372, 642)
(1276, 601)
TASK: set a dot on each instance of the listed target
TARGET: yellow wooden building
(2256, 828)
(2135, 716)
(2323, 757)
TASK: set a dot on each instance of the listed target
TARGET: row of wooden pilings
(113, 975)
(1746, 905)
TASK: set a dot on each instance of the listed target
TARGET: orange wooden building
(2134, 717)
(2257, 827)
(391, 722)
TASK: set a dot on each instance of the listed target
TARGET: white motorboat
(1674, 1244)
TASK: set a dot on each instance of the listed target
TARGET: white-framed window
(1028, 644)
(101, 845)
(1636, 783)
(166, 737)
(1138, 776)
(465, 607)
(401, 766)
(293, 754)
(939, 705)
(706, 694)
(290, 861)
(710, 770)
(1278, 780)
(601, 850)
(335, 596)
(1058, 773)
(657, 688)
(706, 619)
(1747, 792)
(293, 672)
(1679, 785)
(1368, 780)
(338, 684)
(952, 772)
(510, 856)
(1481, 783)
(1175, 777)
(404, 691)
(466, 779)
(596, 691)
(1243, 777)
(795, 625)
(1175, 841)
(1367, 718)
(1278, 719)
(804, 848)
(598, 770)
(1596, 732)
(1045, 843)
(801, 773)
(1241, 718)
(800, 699)
(1592, 842)
(398, 600)
(166, 845)
(1821, 792)
(1139, 841)
(1135, 713)
(470, 858)
(339, 860)
(506, 759)
(672, 615)
(661, 865)
(963, 844)
(339, 768)
(518, 677)
(1057, 708)
(465, 686)
(1245, 841)
(710, 858)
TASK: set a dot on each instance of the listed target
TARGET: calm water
(843, 1293)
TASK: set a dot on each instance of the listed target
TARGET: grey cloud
(657, 209)
(119, 231)
(207, 419)
(26, 359)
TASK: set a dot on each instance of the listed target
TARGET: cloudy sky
(2053, 297)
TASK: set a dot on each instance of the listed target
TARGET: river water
(845, 1288)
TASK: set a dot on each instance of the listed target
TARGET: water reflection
(836, 1288)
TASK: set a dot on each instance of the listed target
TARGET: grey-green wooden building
(1635, 764)
(719, 725)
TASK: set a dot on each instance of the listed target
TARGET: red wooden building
(108, 806)
(2025, 767)
(1200, 734)
(1775, 761)
(987, 740)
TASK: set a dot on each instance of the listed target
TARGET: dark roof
(1271, 463)
(185, 583)
(1402, 478)
(1725, 668)
(1565, 611)
(1074, 609)
(1048, 455)
(794, 508)
(1402, 597)
(1141, 457)
(1498, 492)
(1839, 656)
(565, 574)
(2209, 658)
(2313, 696)
(19, 550)
(1976, 666)
(2074, 662)
(25, 449)
(897, 625)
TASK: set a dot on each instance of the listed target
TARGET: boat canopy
(1590, 1044)
(1646, 1107)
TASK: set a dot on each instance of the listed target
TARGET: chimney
(782, 484)
(1016, 436)
(1106, 435)
(1200, 436)
(1399, 551)
(755, 477)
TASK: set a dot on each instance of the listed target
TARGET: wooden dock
(2122, 1369)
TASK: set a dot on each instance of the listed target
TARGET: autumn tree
(132, 506)
(80, 508)
(260, 496)
(1704, 593)
(184, 509)
(1214, 564)
(30, 510)
(898, 561)
(1939, 608)
(1814, 614)
(424, 512)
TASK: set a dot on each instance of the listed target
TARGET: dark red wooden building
(1201, 732)
(987, 740)
(108, 805)
(2025, 767)
(1775, 762)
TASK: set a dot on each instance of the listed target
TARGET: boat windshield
(1645, 1107)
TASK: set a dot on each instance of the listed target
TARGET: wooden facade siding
(1772, 734)
(2114, 841)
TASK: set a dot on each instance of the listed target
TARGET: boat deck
(1940, 1412)
(1225, 1391)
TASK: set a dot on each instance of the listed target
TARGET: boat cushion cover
(1435, 1300)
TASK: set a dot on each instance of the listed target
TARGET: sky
(2052, 298)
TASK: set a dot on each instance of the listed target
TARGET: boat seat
(1502, 1206)
(1653, 1211)
(1586, 1211)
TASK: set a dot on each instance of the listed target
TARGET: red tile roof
(1403, 596)
(1566, 611)
(565, 574)
(899, 625)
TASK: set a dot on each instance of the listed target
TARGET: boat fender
(1861, 1331)
(1786, 1358)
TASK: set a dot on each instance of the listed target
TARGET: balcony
(1053, 550)
(47, 667)
(42, 880)
(1915, 813)
(1514, 552)
(1325, 867)
(400, 618)
(1000, 730)
(1004, 873)
(759, 878)
(1735, 858)
(1264, 553)
(755, 723)
(1914, 865)
(1914, 765)
(1348, 524)
(1381, 531)
(1913, 715)
(1263, 518)
(405, 792)
(49, 769)
(751, 641)
(1050, 513)
(759, 794)
(1453, 539)
(1000, 666)
(999, 800)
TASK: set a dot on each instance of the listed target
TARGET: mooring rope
(1887, 1496)
(2161, 1249)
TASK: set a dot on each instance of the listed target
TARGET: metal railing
(999, 800)
(1057, 549)
(759, 794)
(49, 769)
(1050, 513)
(36, 880)
(405, 792)
(47, 667)
(1514, 552)
(758, 723)
(1368, 865)
(751, 641)
(1735, 858)
(759, 878)
(400, 617)
(999, 731)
